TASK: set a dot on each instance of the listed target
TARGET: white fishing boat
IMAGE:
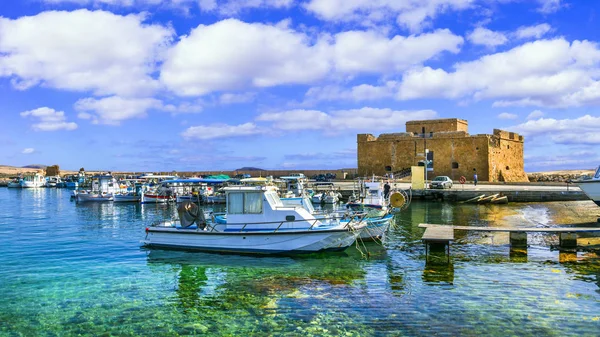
(104, 186)
(370, 198)
(33, 180)
(15, 183)
(256, 221)
(591, 186)
(89, 196)
(53, 181)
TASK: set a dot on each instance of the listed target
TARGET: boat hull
(13, 185)
(30, 184)
(591, 189)
(282, 242)
(155, 199)
(92, 197)
(376, 228)
(126, 198)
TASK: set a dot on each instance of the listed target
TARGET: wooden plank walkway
(517, 229)
(518, 235)
(438, 235)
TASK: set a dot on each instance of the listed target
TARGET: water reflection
(438, 273)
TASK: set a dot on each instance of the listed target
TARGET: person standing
(386, 190)
(475, 178)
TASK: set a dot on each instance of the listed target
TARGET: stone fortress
(451, 152)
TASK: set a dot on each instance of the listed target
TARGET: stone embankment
(558, 176)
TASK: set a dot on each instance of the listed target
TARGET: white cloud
(28, 150)
(582, 130)
(486, 37)
(82, 51)
(414, 15)
(233, 55)
(215, 131)
(372, 52)
(49, 119)
(535, 114)
(363, 92)
(527, 32)
(506, 115)
(113, 110)
(233, 7)
(365, 119)
(552, 73)
(230, 98)
(549, 6)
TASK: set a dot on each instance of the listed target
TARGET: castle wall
(497, 157)
(506, 157)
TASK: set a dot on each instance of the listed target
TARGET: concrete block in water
(568, 239)
(518, 239)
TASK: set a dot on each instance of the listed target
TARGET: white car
(441, 182)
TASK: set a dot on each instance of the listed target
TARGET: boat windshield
(597, 175)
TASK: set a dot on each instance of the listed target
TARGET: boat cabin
(105, 183)
(261, 207)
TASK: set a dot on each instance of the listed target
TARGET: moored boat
(104, 186)
(15, 183)
(53, 181)
(34, 180)
(256, 222)
(591, 186)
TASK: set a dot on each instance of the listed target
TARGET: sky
(194, 85)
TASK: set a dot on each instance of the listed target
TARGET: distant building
(451, 152)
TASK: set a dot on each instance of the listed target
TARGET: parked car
(441, 182)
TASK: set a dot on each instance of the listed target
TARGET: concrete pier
(525, 192)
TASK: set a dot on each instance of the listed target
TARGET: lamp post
(426, 166)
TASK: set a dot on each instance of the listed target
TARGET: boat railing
(347, 216)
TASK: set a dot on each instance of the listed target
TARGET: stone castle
(451, 152)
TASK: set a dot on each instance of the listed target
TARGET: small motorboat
(256, 222)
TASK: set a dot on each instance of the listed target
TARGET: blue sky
(156, 85)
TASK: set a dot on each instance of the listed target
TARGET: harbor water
(79, 269)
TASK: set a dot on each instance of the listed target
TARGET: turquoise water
(70, 269)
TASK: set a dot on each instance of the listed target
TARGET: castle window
(508, 146)
(507, 168)
(477, 148)
(454, 165)
(388, 168)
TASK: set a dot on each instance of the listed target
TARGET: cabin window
(236, 203)
(253, 203)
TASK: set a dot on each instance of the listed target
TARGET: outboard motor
(189, 213)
